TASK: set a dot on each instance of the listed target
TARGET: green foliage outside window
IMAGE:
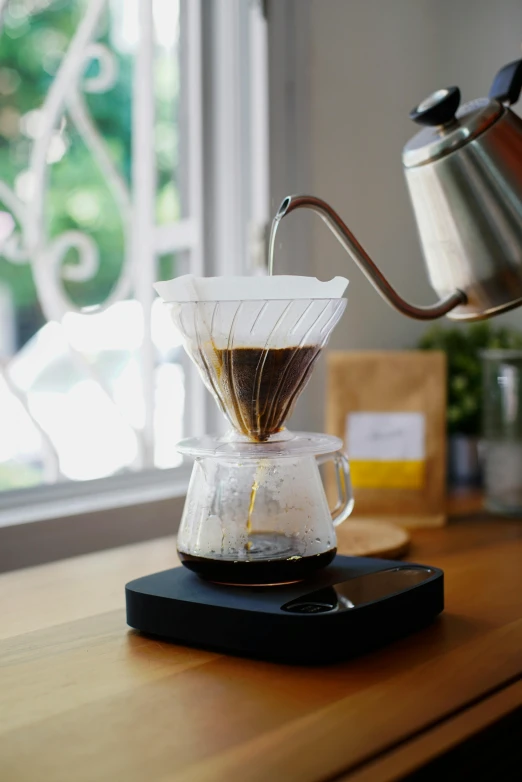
(32, 46)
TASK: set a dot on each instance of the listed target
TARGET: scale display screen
(359, 591)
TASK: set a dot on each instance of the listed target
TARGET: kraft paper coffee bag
(389, 407)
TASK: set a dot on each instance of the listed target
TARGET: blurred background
(71, 396)
(131, 134)
(340, 97)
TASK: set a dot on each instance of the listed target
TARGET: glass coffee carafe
(258, 514)
(256, 511)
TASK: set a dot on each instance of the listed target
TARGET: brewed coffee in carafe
(256, 511)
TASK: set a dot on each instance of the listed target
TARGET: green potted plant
(463, 348)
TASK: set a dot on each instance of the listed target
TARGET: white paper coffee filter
(277, 287)
(218, 315)
(268, 323)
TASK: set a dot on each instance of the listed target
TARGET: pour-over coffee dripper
(256, 510)
(256, 357)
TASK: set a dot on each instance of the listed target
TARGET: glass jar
(502, 429)
(257, 513)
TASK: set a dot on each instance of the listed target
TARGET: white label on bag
(386, 436)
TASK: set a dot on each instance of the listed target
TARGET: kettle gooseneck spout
(365, 263)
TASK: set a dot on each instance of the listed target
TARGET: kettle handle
(507, 84)
(365, 263)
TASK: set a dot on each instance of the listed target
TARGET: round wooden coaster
(370, 538)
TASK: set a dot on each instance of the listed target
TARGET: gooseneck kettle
(464, 175)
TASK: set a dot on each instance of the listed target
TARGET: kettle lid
(447, 127)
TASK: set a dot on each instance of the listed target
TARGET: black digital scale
(350, 607)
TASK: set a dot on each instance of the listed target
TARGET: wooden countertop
(85, 699)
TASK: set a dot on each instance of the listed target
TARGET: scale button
(309, 608)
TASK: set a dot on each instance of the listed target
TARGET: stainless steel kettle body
(468, 207)
(464, 176)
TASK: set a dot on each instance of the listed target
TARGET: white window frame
(228, 159)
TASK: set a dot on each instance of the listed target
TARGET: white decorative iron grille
(100, 195)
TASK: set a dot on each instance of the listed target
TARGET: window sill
(55, 522)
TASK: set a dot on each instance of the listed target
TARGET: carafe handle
(344, 505)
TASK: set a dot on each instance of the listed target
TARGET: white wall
(365, 64)
(370, 62)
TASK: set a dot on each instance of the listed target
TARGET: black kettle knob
(439, 108)
(507, 84)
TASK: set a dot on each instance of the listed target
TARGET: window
(132, 148)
